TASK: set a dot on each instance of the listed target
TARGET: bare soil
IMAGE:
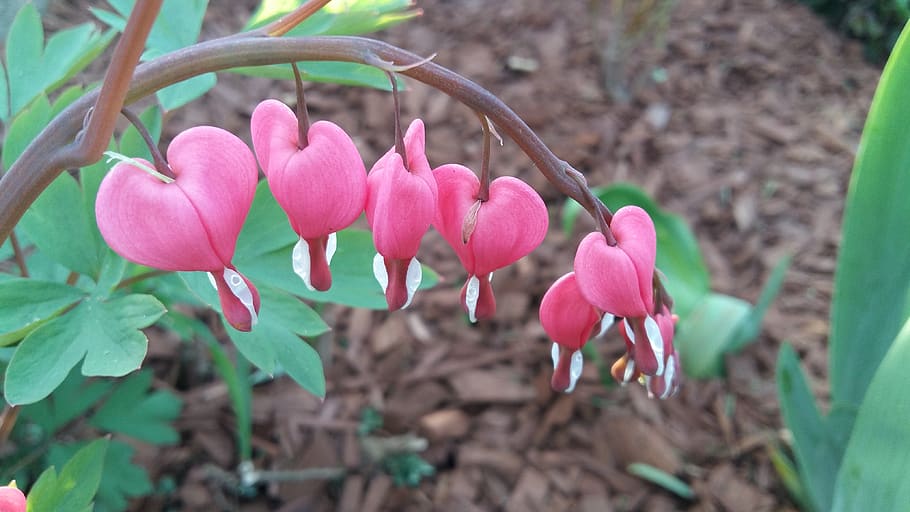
(750, 137)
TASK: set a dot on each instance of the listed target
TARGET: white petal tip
(471, 296)
(575, 369)
(300, 260)
(240, 290)
(413, 279)
(379, 271)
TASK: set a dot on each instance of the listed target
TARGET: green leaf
(345, 73)
(818, 452)
(704, 336)
(73, 398)
(120, 478)
(181, 93)
(76, 485)
(24, 128)
(266, 227)
(134, 411)
(59, 225)
(25, 304)
(353, 283)
(789, 475)
(34, 69)
(749, 328)
(661, 478)
(873, 473)
(678, 255)
(66, 98)
(105, 334)
(870, 300)
(352, 17)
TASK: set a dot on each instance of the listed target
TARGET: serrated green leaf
(24, 128)
(71, 399)
(871, 301)
(121, 479)
(353, 283)
(873, 472)
(134, 411)
(75, 487)
(704, 337)
(105, 334)
(25, 304)
(59, 225)
(817, 452)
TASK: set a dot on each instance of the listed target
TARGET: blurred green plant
(857, 457)
(710, 324)
(877, 23)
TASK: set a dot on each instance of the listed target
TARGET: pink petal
(217, 172)
(511, 224)
(458, 188)
(152, 223)
(608, 278)
(400, 207)
(273, 127)
(322, 187)
(565, 315)
(235, 311)
(12, 500)
(635, 235)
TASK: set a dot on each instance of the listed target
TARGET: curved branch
(54, 149)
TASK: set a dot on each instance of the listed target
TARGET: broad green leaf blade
(24, 49)
(25, 304)
(179, 94)
(874, 469)
(678, 255)
(873, 275)
(353, 283)
(24, 128)
(345, 73)
(702, 339)
(59, 225)
(134, 410)
(4, 94)
(350, 17)
(266, 228)
(275, 341)
(71, 399)
(75, 487)
(817, 452)
(105, 334)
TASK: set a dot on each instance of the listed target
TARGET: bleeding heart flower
(401, 202)
(192, 223)
(321, 187)
(487, 235)
(619, 279)
(12, 499)
(569, 319)
(657, 360)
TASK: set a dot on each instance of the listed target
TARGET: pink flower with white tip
(487, 234)
(189, 222)
(321, 184)
(401, 203)
(569, 320)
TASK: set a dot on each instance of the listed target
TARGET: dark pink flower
(487, 235)
(322, 187)
(192, 223)
(401, 202)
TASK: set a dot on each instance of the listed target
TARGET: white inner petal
(605, 322)
(490, 277)
(668, 377)
(300, 260)
(554, 353)
(648, 386)
(471, 295)
(629, 333)
(240, 290)
(330, 246)
(657, 342)
(382, 277)
(212, 280)
(413, 279)
(575, 368)
(630, 370)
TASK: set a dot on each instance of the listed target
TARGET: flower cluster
(610, 282)
(190, 221)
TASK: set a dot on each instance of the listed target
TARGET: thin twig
(18, 254)
(303, 117)
(290, 20)
(126, 283)
(483, 193)
(399, 138)
(161, 164)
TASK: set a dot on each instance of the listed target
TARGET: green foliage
(855, 458)
(710, 324)
(370, 421)
(407, 469)
(134, 410)
(877, 22)
(33, 68)
(25, 304)
(661, 478)
(74, 488)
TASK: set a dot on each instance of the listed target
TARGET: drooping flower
(191, 223)
(321, 187)
(569, 320)
(486, 235)
(12, 499)
(401, 202)
(665, 380)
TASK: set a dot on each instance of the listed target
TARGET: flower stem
(18, 254)
(160, 163)
(303, 117)
(483, 193)
(399, 138)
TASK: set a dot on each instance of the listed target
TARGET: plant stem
(140, 277)
(53, 150)
(291, 20)
(483, 193)
(303, 117)
(7, 422)
(160, 163)
(18, 254)
(399, 138)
